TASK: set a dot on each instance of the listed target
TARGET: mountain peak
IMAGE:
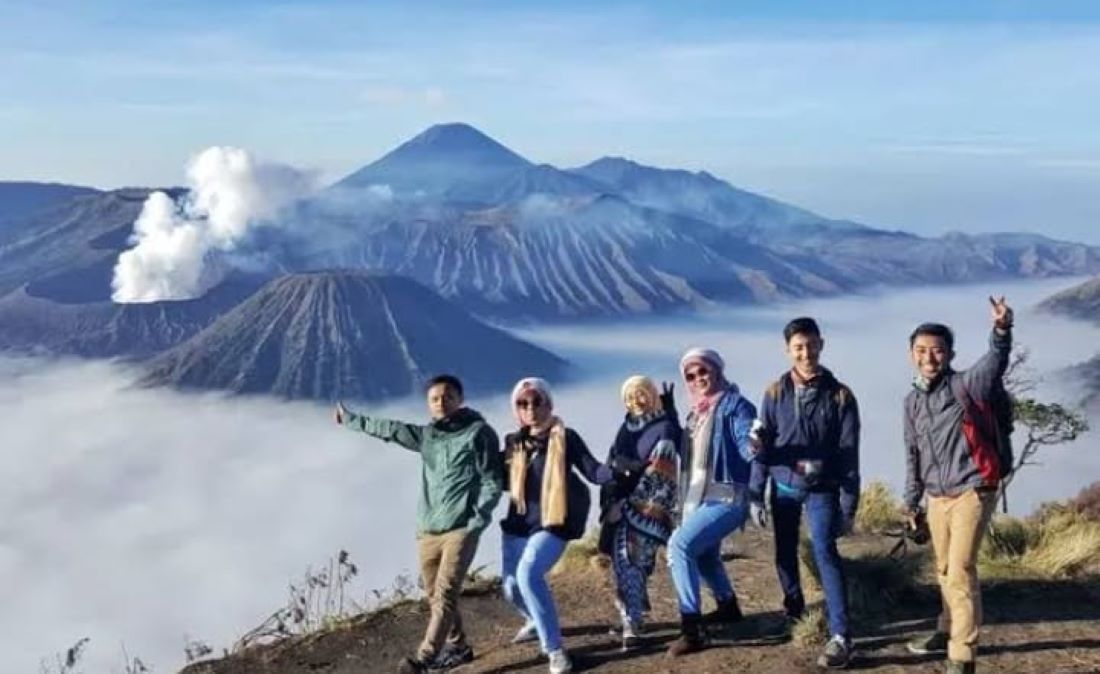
(457, 136)
(346, 333)
(438, 159)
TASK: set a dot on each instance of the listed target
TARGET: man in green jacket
(460, 484)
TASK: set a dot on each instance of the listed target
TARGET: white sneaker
(632, 631)
(631, 636)
(560, 662)
(526, 633)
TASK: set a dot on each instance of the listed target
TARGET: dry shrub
(1058, 542)
(1069, 545)
(878, 510)
(811, 630)
(876, 581)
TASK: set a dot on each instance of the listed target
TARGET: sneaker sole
(825, 665)
(526, 639)
(925, 651)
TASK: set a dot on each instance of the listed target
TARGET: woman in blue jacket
(714, 475)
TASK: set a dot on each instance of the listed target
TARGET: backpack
(994, 421)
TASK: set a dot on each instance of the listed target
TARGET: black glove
(668, 400)
(626, 467)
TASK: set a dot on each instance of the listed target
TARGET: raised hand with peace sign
(1002, 313)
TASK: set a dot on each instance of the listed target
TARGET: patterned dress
(638, 511)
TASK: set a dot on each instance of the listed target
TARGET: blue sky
(926, 116)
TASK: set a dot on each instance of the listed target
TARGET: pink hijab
(708, 358)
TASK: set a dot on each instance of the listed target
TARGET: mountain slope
(1081, 301)
(590, 256)
(21, 199)
(697, 195)
(347, 334)
(1033, 625)
(82, 232)
(33, 321)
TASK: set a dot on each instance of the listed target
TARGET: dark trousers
(823, 513)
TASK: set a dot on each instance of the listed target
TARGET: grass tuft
(878, 510)
(811, 630)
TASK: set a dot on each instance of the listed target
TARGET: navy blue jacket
(820, 424)
(578, 497)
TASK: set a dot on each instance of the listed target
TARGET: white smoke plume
(176, 249)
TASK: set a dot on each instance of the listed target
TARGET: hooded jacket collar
(462, 419)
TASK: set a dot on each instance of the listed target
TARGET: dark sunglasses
(532, 403)
(692, 375)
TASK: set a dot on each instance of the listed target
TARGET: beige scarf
(553, 496)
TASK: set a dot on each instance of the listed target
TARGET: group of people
(689, 486)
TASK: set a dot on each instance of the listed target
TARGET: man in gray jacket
(955, 455)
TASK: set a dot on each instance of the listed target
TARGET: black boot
(793, 607)
(728, 612)
(693, 636)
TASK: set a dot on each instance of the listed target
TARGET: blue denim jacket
(730, 458)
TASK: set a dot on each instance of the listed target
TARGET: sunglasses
(692, 375)
(529, 403)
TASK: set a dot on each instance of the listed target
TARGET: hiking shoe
(727, 612)
(685, 644)
(793, 607)
(928, 643)
(526, 633)
(453, 655)
(617, 628)
(956, 667)
(838, 653)
(631, 637)
(693, 636)
(560, 662)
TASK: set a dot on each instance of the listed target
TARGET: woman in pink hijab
(714, 476)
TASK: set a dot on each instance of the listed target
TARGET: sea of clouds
(144, 518)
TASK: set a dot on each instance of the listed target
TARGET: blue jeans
(823, 514)
(524, 563)
(694, 551)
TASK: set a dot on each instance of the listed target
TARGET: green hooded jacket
(460, 476)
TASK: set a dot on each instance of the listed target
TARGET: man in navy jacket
(809, 448)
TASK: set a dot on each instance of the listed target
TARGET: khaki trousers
(444, 560)
(958, 525)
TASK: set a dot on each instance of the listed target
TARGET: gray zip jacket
(944, 453)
